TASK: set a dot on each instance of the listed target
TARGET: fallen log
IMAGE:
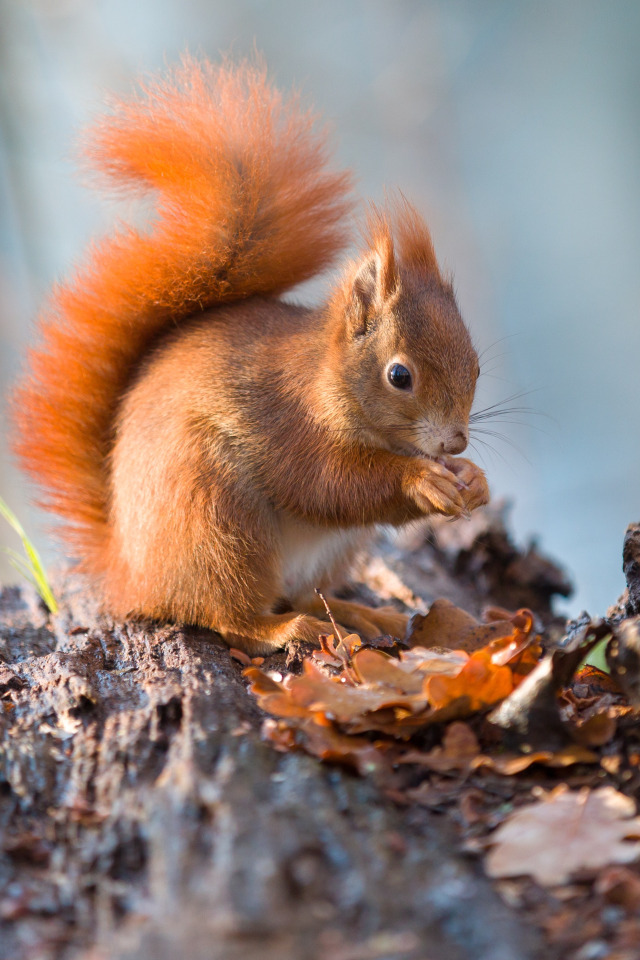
(141, 815)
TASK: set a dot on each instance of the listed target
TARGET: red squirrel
(215, 452)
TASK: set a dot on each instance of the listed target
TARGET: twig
(330, 615)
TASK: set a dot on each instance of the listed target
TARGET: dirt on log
(141, 815)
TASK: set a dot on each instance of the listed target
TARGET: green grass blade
(24, 571)
(11, 518)
(33, 570)
(38, 571)
(17, 558)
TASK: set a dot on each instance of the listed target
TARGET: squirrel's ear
(373, 284)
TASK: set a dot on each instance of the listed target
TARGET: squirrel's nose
(455, 444)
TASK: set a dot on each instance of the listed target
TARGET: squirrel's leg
(369, 622)
(207, 553)
(265, 633)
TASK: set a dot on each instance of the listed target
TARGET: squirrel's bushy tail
(246, 204)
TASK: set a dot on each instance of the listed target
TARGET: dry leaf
(408, 671)
(620, 885)
(459, 747)
(344, 702)
(521, 649)
(460, 741)
(589, 681)
(379, 692)
(480, 680)
(240, 656)
(509, 764)
(272, 695)
(566, 833)
(348, 689)
(445, 625)
(316, 691)
(460, 751)
(337, 654)
(325, 742)
(434, 660)
(359, 689)
(448, 626)
(596, 731)
(531, 715)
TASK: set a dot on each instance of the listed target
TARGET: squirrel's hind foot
(269, 632)
(368, 622)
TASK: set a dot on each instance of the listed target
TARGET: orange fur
(246, 205)
(214, 452)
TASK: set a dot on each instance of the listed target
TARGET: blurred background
(512, 124)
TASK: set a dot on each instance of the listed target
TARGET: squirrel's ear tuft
(415, 246)
(373, 284)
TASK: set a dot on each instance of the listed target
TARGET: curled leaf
(530, 715)
(326, 743)
(347, 689)
(446, 625)
(480, 680)
(408, 671)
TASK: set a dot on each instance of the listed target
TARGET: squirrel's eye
(399, 377)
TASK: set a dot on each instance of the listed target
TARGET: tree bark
(141, 815)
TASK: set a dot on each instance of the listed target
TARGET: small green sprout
(30, 568)
(597, 658)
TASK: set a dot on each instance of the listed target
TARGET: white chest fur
(311, 556)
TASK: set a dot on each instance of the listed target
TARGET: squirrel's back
(246, 204)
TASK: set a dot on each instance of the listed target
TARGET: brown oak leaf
(480, 680)
(566, 833)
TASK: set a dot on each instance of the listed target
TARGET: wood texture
(142, 817)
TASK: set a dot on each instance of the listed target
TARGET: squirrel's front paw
(435, 489)
(475, 492)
